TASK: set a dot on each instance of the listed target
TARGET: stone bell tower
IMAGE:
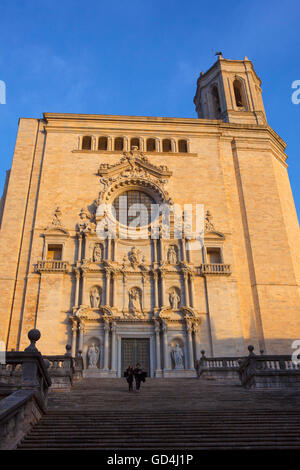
(230, 90)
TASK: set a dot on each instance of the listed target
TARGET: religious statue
(134, 256)
(134, 300)
(97, 253)
(177, 356)
(95, 297)
(174, 300)
(172, 255)
(93, 356)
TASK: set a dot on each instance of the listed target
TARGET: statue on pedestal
(174, 300)
(93, 356)
(177, 356)
(134, 300)
(97, 253)
(95, 297)
(172, 255)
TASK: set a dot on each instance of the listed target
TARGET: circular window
(133, 208)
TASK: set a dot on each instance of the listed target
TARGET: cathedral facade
(79, 262)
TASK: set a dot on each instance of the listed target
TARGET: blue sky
(142, 58)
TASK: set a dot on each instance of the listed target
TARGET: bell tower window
(216, 100)
(238, 94)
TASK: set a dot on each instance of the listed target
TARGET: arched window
(166, 145)
(238, 94)
(216, 100)
(86, 142)
(150, 145)
(102, 143)
(182, 146)
(135, 142)
(119, 143)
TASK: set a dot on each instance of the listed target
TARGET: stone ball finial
(261, 351)
(68, 350)
(33, 336)
(251, 349)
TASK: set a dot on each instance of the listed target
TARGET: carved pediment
(133, 162)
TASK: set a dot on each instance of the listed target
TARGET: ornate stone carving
(135, 256)
(93, 356)
(208, 224)
(87, 222)
(133, 168)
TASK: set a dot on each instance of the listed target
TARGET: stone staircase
(167, 414)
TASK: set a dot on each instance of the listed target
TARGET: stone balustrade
(61, 369)
(268, 371)
(26, 373)
(215, 268)
(218, 368)
(52, 266)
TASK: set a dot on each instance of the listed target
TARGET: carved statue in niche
(95, 297)
(135, 256)
(93, 356)
(174, 298)
(172, 255)
(177, 356)
(97, 253)
(135, 300)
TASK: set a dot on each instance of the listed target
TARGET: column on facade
(77, 288)
(81, 336)
(74, 337)
(162, 285)
(114, 287)
(106, 344)
(183, 249)
(165, 345)
(79, 247)
(157, 145)
(197, 340)
(186, 288)
(192, 290)
(108, 248)
(113, 346)
(155, 289)
(109, 143)
(190, 345)
(107, 285)
(124, 292)
(157, 345)
(83, 288)
(173, 145)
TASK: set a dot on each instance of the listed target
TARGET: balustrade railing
(215, 268)
(25, 381)
(52, 266)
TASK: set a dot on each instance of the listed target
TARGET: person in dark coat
(139, 376)
(129, 377)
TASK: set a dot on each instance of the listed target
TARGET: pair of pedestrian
(136, 374)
